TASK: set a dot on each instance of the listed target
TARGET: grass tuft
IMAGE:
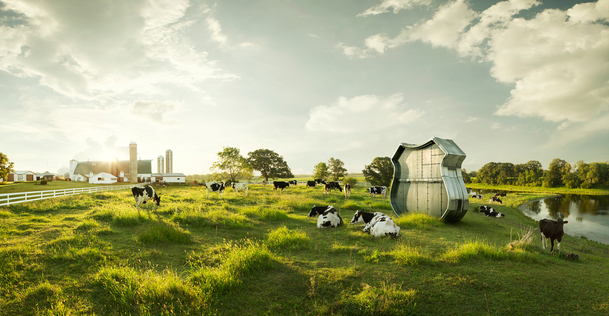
(285, 238)
(383, 300)
(161, 232)
(407, 255)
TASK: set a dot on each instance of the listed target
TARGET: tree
(232, 164)
(269, 164)
(379, 172)
(349, 180)
(466, 177)
(6, 167)
(553, 177)
(320, 171)
(336, 168)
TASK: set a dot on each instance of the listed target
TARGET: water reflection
(588, 215)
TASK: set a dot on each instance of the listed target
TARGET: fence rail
(21, 197)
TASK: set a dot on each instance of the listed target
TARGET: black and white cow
(490, 212)
(477, 196)
(553, 230)
(500, 194)
(310, 184)
(318, 210)
(280, 185)
(330, 185)
(320, 181)
(215, 187)
(144, 194)
(377, 224)
(239, 187)
(328, 216)
(378, 190)
(347, 189)
(495, 199)
(293, 182)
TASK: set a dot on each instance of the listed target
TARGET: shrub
(43, 182)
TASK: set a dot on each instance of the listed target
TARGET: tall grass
(409, 255)
(385, 299)
(161, 232)
(285, 238)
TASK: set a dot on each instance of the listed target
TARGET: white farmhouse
(178, 178)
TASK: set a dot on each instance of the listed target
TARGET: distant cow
(239, 187)
(495, 199)
(378, 190)
(490, 212)
(214, 186)
(310, 184)
(500, 194)
(330, 185)
(328, 216)
(280, 185)
(377, 224)
(320, 181)
(293, 182)
(477, 196)
(144, 194)
(553, 230)
(347, 189)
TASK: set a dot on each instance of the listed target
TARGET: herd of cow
(376, 224)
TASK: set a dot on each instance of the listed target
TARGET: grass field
(95, 254)
(14, 187)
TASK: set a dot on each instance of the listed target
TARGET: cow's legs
(543, 241)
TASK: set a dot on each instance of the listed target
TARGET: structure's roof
(104, 175)
(46, 173)
(85, 167)
(23, 172)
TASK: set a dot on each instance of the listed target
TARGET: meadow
(95, 254)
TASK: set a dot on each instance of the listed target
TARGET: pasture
(260, 254)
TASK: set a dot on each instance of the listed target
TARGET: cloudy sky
(508, 81)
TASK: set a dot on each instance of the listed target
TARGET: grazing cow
(378, 190)
(495, 199)
(280, 184)
(215, 187)
(500, 194)
(293, 182)
(477, 196)
(144, 194)
(332, 185)
(347, 189)
(320, 181)
(377, 224)
(489, 211)
(239, 187)
(553, 230)
(310, 184)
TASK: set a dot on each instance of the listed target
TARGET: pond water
(588, 215)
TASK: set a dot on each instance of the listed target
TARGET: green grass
(15, 187)
(96, 254)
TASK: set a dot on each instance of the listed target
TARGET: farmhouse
(84, 170)
(21, 176)
(427, 179)
(46, 176)
(179, 178)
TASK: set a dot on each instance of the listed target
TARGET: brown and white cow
(553, 230)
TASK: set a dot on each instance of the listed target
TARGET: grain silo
(133, 162)
(427, 179)
(160, 164)
(169, 161)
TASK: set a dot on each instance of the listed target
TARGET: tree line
(559, 173)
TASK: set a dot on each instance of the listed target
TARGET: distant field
(95, 254)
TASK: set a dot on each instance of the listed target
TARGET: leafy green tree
(466, 176)
(379, 172)
(553, 177)
(320, 171)
(232, 164)
(6, 167)
(269, 164)
(336, 167)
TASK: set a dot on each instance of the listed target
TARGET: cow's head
(560, 222)
(157, 199)
(357, 217)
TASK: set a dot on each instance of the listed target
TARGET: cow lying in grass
(489, 211)
(328, 216)
(144, 194)
(377, 224)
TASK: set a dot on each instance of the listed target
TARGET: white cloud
(155, 110)
(353, 52)
(216, 31)
(556, 60)
(396, 5)
(362, 114)
(99, 50)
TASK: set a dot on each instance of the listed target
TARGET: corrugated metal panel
(427, 179)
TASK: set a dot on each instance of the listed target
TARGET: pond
(588, 215)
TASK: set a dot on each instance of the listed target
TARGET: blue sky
(508, 81)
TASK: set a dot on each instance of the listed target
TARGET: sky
(507, 81)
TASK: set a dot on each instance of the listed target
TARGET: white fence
(21, 197)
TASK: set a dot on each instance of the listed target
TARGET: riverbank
(599, 190)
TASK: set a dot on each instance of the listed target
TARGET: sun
(108, 155)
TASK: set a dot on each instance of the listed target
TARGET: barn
(25, 175)
(427, 179)
(102, 178)
(169, 177)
